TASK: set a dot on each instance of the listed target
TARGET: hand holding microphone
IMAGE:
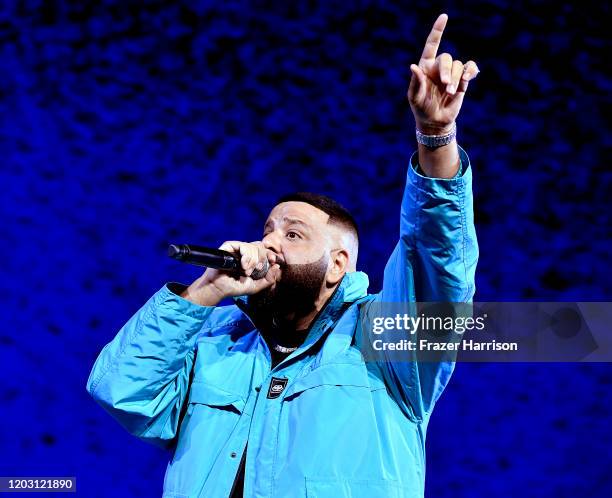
(240, 268)
(213, 258)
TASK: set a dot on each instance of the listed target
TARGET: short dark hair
(338, 214)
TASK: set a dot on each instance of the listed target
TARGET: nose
(272, 242)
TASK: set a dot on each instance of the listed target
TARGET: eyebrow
(290, 221)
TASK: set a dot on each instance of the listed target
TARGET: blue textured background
(129, 125)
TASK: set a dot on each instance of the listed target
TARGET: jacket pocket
(338, 402)
(356, 488)
(210, 395)
(335, 374)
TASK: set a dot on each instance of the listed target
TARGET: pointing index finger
(433, 40)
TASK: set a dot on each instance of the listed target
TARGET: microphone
(212, 258)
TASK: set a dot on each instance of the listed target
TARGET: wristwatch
(435, 141)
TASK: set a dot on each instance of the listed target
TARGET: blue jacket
(196, 379)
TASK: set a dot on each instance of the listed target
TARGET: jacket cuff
(443, 185)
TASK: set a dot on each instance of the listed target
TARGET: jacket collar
(354, 285)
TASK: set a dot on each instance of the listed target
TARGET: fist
(214, 285)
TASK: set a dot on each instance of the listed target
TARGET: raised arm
(435, 257)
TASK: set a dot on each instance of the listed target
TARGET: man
(272, 397)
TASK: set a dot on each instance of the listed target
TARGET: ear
(339, 260)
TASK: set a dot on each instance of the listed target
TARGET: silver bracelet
(435, 141)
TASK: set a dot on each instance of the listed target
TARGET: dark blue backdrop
(129, 125)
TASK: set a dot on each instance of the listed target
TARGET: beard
(294, 294)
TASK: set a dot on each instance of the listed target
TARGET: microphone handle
(204, 256)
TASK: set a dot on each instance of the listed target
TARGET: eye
(293, 235)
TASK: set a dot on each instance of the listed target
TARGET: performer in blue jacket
(272, 396)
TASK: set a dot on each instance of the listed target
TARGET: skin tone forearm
(202, 293)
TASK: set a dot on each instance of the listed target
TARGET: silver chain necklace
(278, 347)
(282, 349)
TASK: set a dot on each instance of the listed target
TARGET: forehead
(297, 210)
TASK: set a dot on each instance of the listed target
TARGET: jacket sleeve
(433, 261)
(141, 377)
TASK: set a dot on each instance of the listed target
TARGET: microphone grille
(175, 251)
